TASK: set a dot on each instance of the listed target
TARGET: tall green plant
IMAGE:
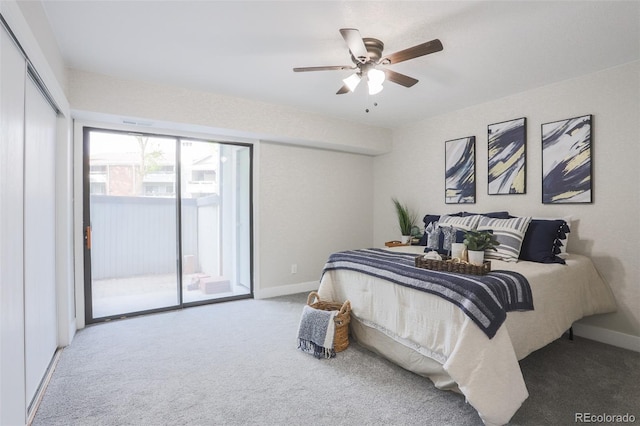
(406, 218)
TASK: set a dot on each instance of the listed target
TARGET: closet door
(12, 81)
(39, 237)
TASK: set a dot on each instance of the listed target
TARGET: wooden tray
(395, 244)
(448, 265)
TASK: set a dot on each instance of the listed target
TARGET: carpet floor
(237, 363)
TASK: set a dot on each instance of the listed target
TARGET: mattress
(434, 338)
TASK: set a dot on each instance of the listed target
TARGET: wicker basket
(448, 265)
(342, 319)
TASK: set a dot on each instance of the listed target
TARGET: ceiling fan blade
(413, 52)
(401, 79)
(355, 44)
(327, 68)
(344, 89)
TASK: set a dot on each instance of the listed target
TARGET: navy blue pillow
(493, 215)
(542, 241)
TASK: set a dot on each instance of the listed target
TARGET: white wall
(312, 203)
(607, 230)
(225, 115)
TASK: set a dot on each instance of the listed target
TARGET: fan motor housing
(374, 48)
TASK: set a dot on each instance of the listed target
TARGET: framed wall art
(566, 161)
(507, 157)
(460, 171)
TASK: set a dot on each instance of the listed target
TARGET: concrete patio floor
(133, 294)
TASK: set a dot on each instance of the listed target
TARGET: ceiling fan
(366, 54)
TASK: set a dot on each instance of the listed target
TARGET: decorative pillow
(450, 230)
(432, 233)
(439, 238)
(542, 241)
(563, 237)
(430, 218)
(497, 215)
(464, 223)
(509, 233)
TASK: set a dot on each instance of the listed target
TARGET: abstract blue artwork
(566, 161)
(507, 157)
(460, 171)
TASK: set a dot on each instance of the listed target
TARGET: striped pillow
(466, 223)
(509, 233)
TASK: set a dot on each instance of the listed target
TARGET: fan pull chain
(375, 104)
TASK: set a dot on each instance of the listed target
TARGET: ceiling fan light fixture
(375, 88)
(352, 81)
(375, 78)
(366, 55)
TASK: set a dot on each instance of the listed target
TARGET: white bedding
(485, 370)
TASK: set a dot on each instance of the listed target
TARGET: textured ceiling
(248, 49)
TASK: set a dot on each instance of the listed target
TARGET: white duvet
(485, 370)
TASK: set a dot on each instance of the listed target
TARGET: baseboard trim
(610, 337)
(285, 290)
(37, 399)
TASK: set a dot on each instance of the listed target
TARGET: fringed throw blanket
(485, 299)
(316, 332)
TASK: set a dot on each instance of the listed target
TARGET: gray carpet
(236, 363)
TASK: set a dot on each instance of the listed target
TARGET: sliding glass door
(215, 209)
(167, 222)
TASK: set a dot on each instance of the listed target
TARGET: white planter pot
(405, 239)
(476, 257)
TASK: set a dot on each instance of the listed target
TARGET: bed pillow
(430, 218)
(563, 238)
(434, 231)
(542, 241)
(465, 223)
(439, 238)
(509, 233)
(497, 215)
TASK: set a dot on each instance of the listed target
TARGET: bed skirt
(407, 358)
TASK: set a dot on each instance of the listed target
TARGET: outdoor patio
(144, 292)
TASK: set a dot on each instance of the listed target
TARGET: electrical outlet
(294, 268)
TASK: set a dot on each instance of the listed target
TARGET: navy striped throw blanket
(485, 299)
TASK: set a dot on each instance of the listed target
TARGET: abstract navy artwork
(566, 161)
(507, 157)
(460, 171)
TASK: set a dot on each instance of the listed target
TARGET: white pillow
(465, 223)
(509, 233)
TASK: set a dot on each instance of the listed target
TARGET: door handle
(87, 237)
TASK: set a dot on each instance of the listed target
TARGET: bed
(432, 337)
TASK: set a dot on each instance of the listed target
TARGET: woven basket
(342, 319)
(448, 265)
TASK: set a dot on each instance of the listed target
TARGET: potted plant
(406, 220)
(477, 242)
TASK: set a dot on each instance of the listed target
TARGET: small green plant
(406, 218)
(480, 240)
